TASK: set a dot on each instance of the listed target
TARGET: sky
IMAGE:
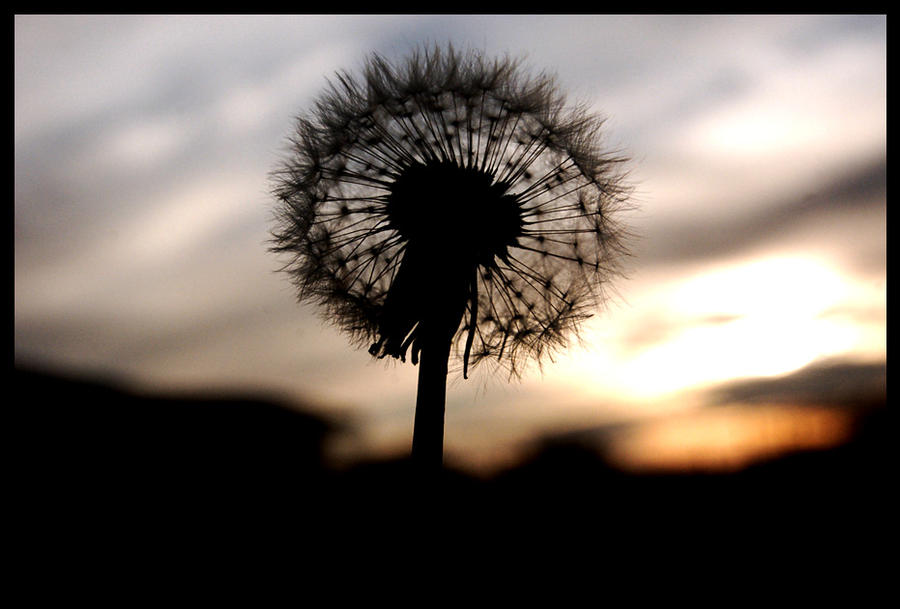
(143, 152)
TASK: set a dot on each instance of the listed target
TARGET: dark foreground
(97, 467)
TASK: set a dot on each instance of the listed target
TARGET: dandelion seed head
(450, 191)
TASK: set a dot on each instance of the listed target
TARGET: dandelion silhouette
(449, 206)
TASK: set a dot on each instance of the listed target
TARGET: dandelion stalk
(431, 394)
(450, 208)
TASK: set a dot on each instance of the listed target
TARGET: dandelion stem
(428, 429)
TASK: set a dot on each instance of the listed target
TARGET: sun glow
(762, 318)
(728, 439)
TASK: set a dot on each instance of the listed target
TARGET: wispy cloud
(836, 382)
(860, 192)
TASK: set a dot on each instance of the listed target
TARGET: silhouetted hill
(847, 476)
(93, 452)
(96, 460)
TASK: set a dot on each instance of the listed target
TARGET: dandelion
(449, 207)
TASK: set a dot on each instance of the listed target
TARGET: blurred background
(751, 326)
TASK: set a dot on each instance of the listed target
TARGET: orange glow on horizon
(728, 439)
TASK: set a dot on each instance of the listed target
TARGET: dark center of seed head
(455, 214)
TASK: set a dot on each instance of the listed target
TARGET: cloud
(656, 328)
(696, 238)
(827, 383)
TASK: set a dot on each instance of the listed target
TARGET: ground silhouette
(96, 462)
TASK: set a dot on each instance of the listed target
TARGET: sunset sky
(752, 317)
